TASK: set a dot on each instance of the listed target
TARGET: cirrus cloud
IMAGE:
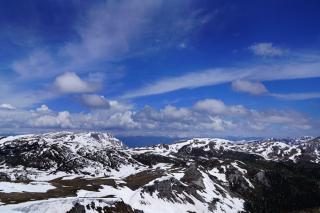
(266, 49)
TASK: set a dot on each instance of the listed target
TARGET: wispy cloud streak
(297, 96)
(280, 71)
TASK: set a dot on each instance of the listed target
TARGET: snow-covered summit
(92, 153)
(77, 139)
(95, 139)
(268, 149)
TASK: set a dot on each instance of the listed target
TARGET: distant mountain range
(96, 172)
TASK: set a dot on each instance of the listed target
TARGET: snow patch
(9, 187)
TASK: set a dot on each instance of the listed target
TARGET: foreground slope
(95, 172)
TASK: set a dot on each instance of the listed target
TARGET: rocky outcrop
(116, 207)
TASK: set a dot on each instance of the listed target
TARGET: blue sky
(161, 68)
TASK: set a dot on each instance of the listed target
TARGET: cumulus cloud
(43, 108)
(251, 87)
(70, 82)
(7, 106)
(219, 124)
(214, 106)
(94, 101)
(62, 120)
(176, 113)
(266, 49)
(122, 119)
(208, 117)
(213, 117)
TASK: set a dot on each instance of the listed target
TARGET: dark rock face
(237, 181)
(282, 188)
(152, 159)
(262, 178)
(193, 176)
(78, 208)
(170, 188)
(117, 207)
(4, 177)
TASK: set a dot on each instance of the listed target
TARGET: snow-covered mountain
(270, 149)
(95, 172)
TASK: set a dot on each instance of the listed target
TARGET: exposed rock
(78, 208)
(261, 177)
(193, 176)
(4, 177)
(117, 207)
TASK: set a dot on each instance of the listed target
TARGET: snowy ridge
(93, 170)
(61, 153)
(94, 139)
(270, 149)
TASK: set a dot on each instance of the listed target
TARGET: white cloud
(69, 82)
(214, 106)
(45, 121)
(266, 49)
(124, 119)
(251, 87)
(95, 101)
(297, 96)
(213, 117)
(109, 30)
(20, 97)
(237, 110)
(175, 113)
(38, 64)
(190, 80)
(211, 106)
(116, 106)
(43, 108)
(257, 88)
(277, 119)
(62, 120)
(206, 118)
(106, 32)
(219, 124)
(7, 106)
(299, 69)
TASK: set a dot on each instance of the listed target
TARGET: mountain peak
(95, 139)
(79, 139)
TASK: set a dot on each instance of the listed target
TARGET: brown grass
(64, 188)
(140, 179)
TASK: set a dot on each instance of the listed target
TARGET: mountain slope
(96, 172)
